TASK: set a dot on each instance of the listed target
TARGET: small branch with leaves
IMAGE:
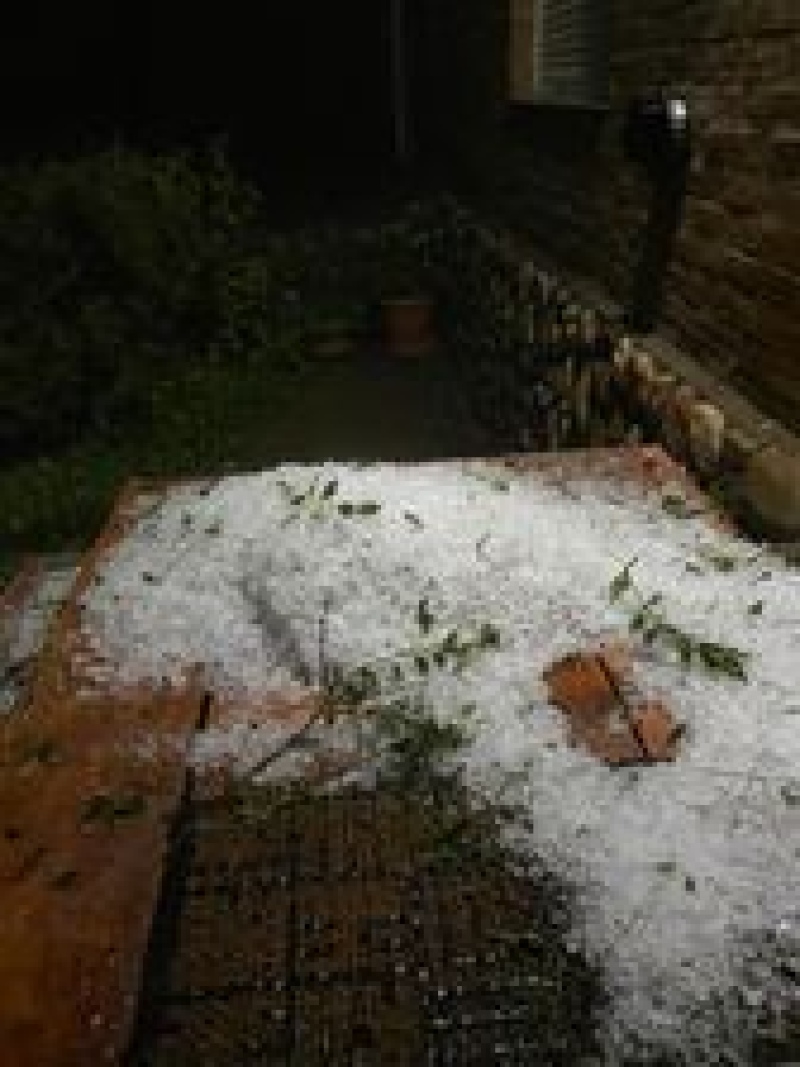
(320, 501)
(407, 731)
(649, 620)
(453, 648)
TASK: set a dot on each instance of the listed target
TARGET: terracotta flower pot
(408, 325)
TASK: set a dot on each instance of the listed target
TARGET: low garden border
(544, 367)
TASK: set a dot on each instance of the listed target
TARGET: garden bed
(456, 585)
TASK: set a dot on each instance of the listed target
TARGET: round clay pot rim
(406, 301)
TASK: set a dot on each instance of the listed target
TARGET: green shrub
(112, 266)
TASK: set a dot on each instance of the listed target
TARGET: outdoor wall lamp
(657, 135)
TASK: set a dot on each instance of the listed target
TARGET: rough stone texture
(732, 288)
(737, 448)
(706, 434)
(771, 488)
(726, 441)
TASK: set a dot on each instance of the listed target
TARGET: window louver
(558, 51)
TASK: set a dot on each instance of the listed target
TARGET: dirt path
(373, 406)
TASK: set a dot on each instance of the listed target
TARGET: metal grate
(358, 928)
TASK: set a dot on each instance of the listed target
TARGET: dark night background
(302, 91)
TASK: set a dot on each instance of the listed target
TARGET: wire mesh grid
(344, 929)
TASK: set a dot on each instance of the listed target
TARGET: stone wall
(731, 291)
(540, 369)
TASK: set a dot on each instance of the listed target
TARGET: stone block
(771, 491)
(737, 448)
(785, 152)
(657, 390)
(706, 432)
(642, 369)
(675, 417)
(656, 730)
(623, 353)
(602, 389)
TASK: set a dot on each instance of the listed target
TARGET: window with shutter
(558, 52)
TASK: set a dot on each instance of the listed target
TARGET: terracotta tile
(618, 661)
(593, 690)
(614, 749)
(656, 728)
(579, 686)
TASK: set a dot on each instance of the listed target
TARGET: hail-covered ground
(687, 873)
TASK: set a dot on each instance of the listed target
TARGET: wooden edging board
(90, 789)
